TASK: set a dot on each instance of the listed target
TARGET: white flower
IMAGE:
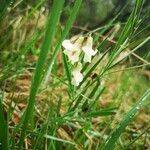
(77, 75)
(88, 50)
(73, 49)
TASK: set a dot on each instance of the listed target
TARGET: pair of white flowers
(73, 49)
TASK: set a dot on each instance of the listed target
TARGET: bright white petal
(73, 49)
(88, 54)
(87, 58)
(74, 82)
(89, 42)
(67, 44)
(89, 51)
(73, 56)
(67, 52)
(77, 78)
(77, 75)
(76, 46)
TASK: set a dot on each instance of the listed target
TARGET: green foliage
(111, 140)
(3, 126)
(50, 31)
(59, 115)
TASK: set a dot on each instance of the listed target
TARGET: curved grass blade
(112, 139)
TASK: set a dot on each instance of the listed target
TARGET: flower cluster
(73, 49)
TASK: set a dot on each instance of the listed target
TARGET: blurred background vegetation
(92, 14)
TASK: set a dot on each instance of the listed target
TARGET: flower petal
(67, 44)
(73, 48)
(88, 50)
(77, 78)
(73, 56)
(77, 75)
(89, 42)
(87, 58)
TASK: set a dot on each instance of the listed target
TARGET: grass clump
(39, 106)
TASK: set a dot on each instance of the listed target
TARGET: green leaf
(100, 113)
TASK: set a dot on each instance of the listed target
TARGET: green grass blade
(112, 139)
(90, 96)
(67, 70)
(99, 113)
(3, 126)
(99, 92)
(40, 136)
(92, 69)
(50, 31)
(49, 137)
(132, 51)
(79, 97)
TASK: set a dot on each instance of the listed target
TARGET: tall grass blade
(51, 26)
(3, 126)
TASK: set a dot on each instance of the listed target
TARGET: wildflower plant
(74, 49)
